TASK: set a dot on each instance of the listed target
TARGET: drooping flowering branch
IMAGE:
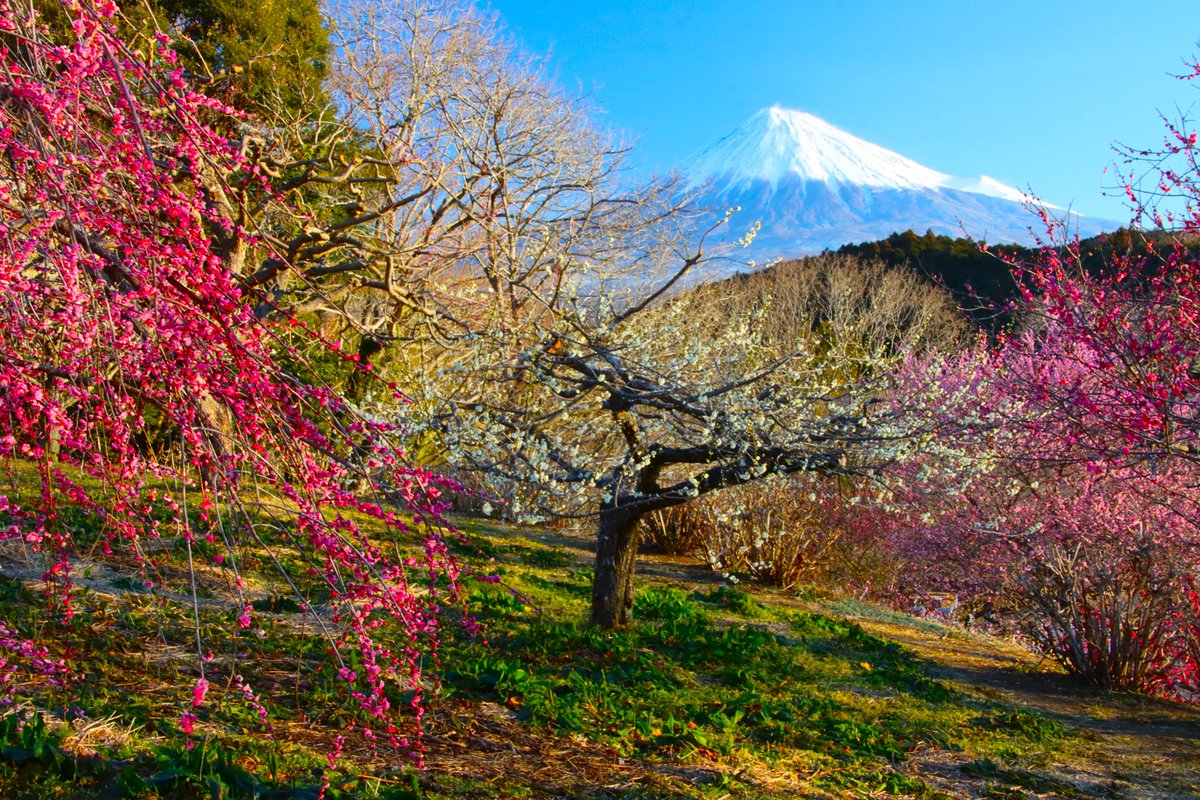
(119, 314)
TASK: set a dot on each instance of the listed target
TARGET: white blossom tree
(464, 211)
(615, 411)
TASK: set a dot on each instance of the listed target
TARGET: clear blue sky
(1031, 93)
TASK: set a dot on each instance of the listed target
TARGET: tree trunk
(218, 424)
(616, 554)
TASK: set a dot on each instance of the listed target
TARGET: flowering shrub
(118, 309)
(1042, 500)
(1185, 674)
(1059, 489)
(783, 531)
(1090, 570)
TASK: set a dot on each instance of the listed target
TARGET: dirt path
(1130, 746)
(1155, 725)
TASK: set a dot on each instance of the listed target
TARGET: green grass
(712, 694)
(719, 676)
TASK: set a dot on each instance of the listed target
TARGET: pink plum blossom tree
(1064, 476)
(119, 311)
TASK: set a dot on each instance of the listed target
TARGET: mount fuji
(813, 186)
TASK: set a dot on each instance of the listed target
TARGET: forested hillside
(980, 277)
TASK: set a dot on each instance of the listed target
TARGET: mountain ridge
(815, 187)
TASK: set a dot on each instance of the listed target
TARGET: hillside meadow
(718, 691)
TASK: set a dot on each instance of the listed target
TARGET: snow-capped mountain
(813, 186)
(777, 144)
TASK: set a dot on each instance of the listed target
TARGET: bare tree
(451, 184)
(477, 193)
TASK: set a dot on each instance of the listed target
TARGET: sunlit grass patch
(715, 674)
(713, 692)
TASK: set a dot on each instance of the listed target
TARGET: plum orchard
(119, 312)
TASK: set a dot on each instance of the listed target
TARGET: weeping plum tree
(625, 410)
(120, 306)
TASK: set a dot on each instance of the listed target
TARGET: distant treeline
(981, 279)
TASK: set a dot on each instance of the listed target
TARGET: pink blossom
(198, 692)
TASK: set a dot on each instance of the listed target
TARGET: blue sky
(1031, 93)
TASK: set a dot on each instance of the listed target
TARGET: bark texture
(616, 557)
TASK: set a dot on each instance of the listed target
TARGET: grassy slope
(715, 694)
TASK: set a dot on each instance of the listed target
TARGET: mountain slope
(813, 187)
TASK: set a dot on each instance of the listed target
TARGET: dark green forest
(980, 276)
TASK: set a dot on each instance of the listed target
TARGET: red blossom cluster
(119, 312)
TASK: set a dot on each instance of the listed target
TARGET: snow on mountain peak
(985, 184)
(779, 142)
(807, 186)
